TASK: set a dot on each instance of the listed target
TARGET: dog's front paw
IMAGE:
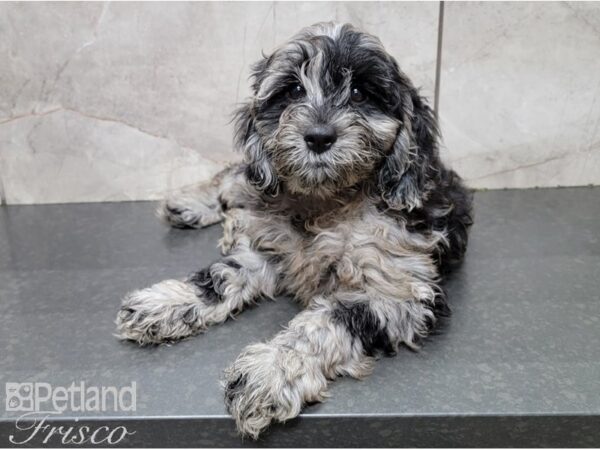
(167, 311)
(191, 210)
(269, 383)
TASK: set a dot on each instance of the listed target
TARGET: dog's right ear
(259, 170)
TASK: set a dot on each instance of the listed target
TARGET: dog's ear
(259, 170)
(408, 170)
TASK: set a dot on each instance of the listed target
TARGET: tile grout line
(438, 61)
(2, 196)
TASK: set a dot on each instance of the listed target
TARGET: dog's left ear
(407, 172)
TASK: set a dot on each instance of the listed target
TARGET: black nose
(320, 138)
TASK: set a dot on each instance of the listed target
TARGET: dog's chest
(318, 255)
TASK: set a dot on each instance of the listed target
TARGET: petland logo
(38, 401)
(43, 397)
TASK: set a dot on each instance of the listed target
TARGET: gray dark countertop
(518, 364)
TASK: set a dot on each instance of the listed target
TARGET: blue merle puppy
(341, 202)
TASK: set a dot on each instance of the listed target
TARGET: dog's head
(331, 109)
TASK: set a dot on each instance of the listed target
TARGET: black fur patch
(298, 223)
(448, 209)
(233, 388)
(256, 177)
(441, 311)
(362, 324)
(232, 263)
(210, 288)
(223, 203)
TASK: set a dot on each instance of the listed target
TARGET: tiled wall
(123, 101)
(520, 93)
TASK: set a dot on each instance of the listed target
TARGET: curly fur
(360, 234)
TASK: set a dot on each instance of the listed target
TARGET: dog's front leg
(175, 309)
(335, 336)
(272, 381)
(203, 205)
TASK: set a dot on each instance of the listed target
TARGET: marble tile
(520, 93)
(70, 156)
(123, 101)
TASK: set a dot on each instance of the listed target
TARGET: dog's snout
(320, 138)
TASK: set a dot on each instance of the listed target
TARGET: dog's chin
(314, 179)
(317, 180)
(323, 175)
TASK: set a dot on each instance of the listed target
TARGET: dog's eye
(296, 91)
(356, 95)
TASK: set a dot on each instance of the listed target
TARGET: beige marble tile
(117, 101)
(66, 156)
(520, 93)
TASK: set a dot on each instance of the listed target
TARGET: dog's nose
(320, 138)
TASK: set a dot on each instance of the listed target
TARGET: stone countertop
(518, 363)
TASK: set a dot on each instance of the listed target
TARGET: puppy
(341, 202)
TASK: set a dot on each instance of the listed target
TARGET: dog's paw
(269, 383)
(191, 210)
(167, 311)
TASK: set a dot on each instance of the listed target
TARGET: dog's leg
(333, 337)
(201, 206)
(174, 309)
